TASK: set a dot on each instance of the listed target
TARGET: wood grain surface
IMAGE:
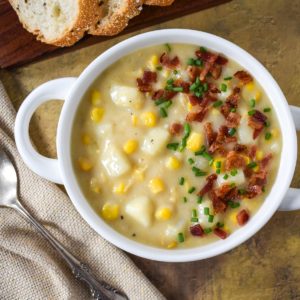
(17, 46)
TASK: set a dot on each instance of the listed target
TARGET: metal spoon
(9, 198)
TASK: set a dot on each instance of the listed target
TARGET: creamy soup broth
(144, 178)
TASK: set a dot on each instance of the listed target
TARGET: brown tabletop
(268, 265)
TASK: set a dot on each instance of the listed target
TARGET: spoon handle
(100, 290)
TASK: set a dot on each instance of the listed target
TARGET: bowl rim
(215, 43)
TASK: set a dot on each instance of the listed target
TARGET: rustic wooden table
(268, 265)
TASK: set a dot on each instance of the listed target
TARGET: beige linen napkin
(29, 268)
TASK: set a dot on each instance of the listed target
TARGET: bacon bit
(149, 77)
(234, 161)
(162, 94)
(242, 217)
(240, 148)
(144, 83)
(218, 205)
(205, 71)
(220, 233)
(185, 85)
(213, 88)
(265, 161)
(193, 72)
(248, 172)
(215, 71)
(221, 60)
(252, 152)
(231, 102)
(194, 100)
(233, 119)
(243, 76)
(143, 87)
(196, 230)
(207, 56)
(176, 128)
(197, 116)
(222, 139)
(209, 184)
(209, 133)
(166, 61)
(257, 121)
(253, 191)
(258, 178)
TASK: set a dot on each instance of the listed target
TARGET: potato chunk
(141, 210)
(114, 161)
(155, 141)
(126, 96)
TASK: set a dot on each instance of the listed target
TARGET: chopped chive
(220, 225)
(225, 176)
(160, 101)
(178, 89)
(185, 199)
(233, 204)
(203, 49)
(233, 109)
(169, 49)
(218, 164)
(191, 190)
(206, 211)
(207, 230)
(267, 109)
(252, 165)
(199, 199)
(232, 185)
(201, 151)
(193, 87)
(268, 135)
(198, 62)
(242, 191)
(218, 171)
(181, 181)
(167, 104)
(194, 213)
(205, 87)
(198, 172)
(217, 103)
(252, 103)
(251, 112)
(159, 68)
(194, 219)
(228, 78)
(170, 81)
(182, 144)
(163, 113)
(263, 189)
(223, 87)
(191, 62)
(207, 156)
(173, 146)
(267, 123)
(198, 94)
(180, 237)
(210, 218)
(233, 172)
(187, 129)
(190, 161)
(175, 72)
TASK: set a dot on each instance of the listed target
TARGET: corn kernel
(138, 174)
(110, 211)
(215, 112)
(225, 228)
(256, 169)
(194, 141)
(249, 86)
(85, 164)
(97, 114)
(172, 245)
(156, 185)
(216, 161)
(120, 188)
(274, 133)
(86, 139)
(134, 120)
(166, 73)
(130, 146)
(95, 186)
(173, 163)
(247, 159)
(257, 96)
(96, 98)
(163, 214)
(259, 155)
(232, 217)
(149, 119)
(153, 61)
(189, 106)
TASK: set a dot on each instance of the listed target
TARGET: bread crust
(118, 20)
(89, 13)
(159, 2)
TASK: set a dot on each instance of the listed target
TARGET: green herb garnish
(180, 237)
(173, 146)
(181, 181)
(223, 87)
(217, 103)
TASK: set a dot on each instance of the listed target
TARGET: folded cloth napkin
(29, 267)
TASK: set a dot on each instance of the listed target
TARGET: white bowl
(72, 91)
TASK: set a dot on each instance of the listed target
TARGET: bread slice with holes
(57, 22)
(117, 14)
(159, 2)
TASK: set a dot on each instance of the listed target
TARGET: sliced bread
(57, 22)
(117, 14)
(159, 2)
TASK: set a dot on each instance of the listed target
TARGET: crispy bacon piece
(209, 133)
(220, 233)
(218, 205)
(212, 87)
(252, 152)
(216, 71)
(265, 161)
(207, 56)
(194, 100)
(197, 116)
(184, 84)
(234, 160)
(222, 139)
(193, 72)
(242, 217)
(208, 185)
(257, 121)
(196, 230)
(163, 94)
(253, 191)
(205, 70)
(221, 60)
(248, 172)
(258, 178)
(145, 83)
(240, 148)
(243, 76)
(233, 120)
(175, 128)
(168, 62)
(231, 102)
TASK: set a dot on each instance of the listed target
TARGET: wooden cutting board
(18, 47)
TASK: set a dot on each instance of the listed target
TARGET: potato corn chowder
(175, 146)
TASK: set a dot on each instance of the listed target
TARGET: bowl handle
(41, 165)
(291, 200)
